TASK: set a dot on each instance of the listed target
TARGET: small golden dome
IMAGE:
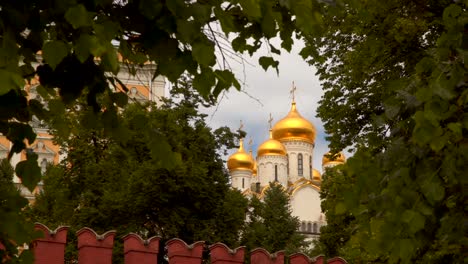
(316, 175)
(240, 160)
(294, 126)
(254, 169)
(339, 158)
(271, 147)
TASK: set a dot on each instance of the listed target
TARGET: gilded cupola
(240, 160)
(271, 147)
(338, 158)
(254, 169)
(316, 176)
(294, 127)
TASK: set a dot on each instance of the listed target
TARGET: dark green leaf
(28, 170)
(77, 16)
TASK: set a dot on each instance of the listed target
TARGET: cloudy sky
(267, 92)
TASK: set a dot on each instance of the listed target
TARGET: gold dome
(316, 175)
(254, 169)
(240, 160)
(271, 147)
(294, 126)
(339, 158)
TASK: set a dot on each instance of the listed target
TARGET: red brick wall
(97, 249)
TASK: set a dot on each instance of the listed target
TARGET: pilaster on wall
(181, 253)
(94, 248)
(262, 256)
(222, 254)
(50, 249)
(139, 251)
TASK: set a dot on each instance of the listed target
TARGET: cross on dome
(241, 125)
(270, 121)
(293, 92)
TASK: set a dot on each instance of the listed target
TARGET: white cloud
(267, 92)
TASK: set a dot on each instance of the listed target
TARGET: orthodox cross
(250, 143)
(293, 91)
(270, 121)
(241, 126)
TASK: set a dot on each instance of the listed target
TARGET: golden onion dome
(271, 147)
(316, 176)
(240, 160)
(338, 158)
(295, 127)
(254, 169)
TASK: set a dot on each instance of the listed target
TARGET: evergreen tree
(270, 224)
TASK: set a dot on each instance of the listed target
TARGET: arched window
(300, 168)
(287, 164)
(243, 183)
(43, 165)
(315, 228)
(310, 166)
(309, 227)
(303, 226)
(276, 173)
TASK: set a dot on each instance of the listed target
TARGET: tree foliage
(107, 184)
(12, 222)
(396, 89)
(270, 224)
(70, 46)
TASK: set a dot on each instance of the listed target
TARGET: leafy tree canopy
(107, 184)
(394, 73)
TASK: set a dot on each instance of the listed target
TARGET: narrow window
(276, 173)
(310, 166)
(315, 228)
(287, 163)
(309, 227)
(43, 165)
(243, 182)
(303, 226)
(300, 168)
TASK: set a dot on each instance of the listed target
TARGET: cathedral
(285, 158)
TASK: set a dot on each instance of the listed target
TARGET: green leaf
(28, 170)
(121, 99)
(266, 62)
(456, 128)
(251, 8)
(88, 45)
(204, 53)
(110, 61)
(107, 30)
(406, 249)
(204, 82)
(340, 208)
(226, 20)
(54, 52)
(150, 9)
(202, 12)
(77, 16)
(10, 80)
(433, 190)
(414, 219)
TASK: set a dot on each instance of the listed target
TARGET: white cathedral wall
(293, 148)
(236, 179)
(305, 204)
(266, 169)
